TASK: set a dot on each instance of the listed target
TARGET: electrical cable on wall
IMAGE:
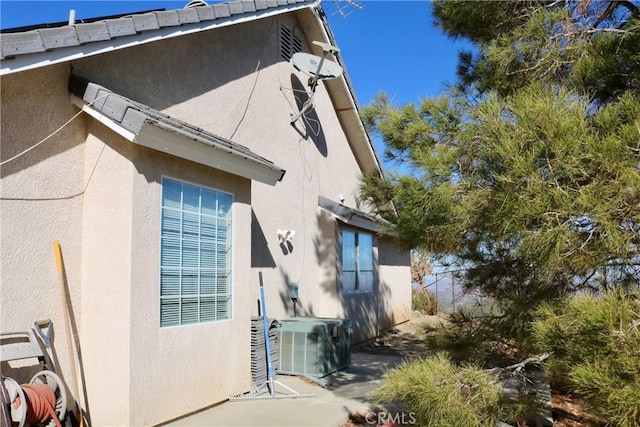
(55, 131)
(294, 108)
(40, 199)
(246, 108)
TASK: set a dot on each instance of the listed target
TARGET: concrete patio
(346, 392)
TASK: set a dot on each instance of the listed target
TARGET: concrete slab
(348, 392)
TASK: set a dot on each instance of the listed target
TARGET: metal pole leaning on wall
(71, 335)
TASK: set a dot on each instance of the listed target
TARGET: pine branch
(517, 368)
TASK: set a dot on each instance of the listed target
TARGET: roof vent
(289, 43)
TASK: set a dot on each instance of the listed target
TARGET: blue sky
(389, 46)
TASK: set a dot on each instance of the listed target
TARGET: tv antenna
(345, 7)
(317, 68)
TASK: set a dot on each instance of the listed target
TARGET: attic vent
(289, 42)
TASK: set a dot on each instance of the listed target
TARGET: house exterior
(158, 149)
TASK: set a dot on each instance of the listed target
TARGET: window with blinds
(195, 254)
(357, 261)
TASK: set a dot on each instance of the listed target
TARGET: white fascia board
(56, 56)
(180, 146)
(344, 79)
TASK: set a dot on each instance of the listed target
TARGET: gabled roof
(45, 46)
(148, 127)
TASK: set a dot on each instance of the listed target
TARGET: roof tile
(206, 13)
(21, 43)
(92, 32)
(145, 22)
(168, 18)
(120, 27)
(188, 16)
(235, 7)
(221, 10)
(261, 4)
(59, 37)
(248, 5)
(115, 107)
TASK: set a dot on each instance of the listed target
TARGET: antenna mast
(317, 69)
(346, 7)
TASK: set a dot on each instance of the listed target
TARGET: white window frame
(196, 288)
(360, 286)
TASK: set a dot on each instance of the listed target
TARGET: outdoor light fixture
(293, 294)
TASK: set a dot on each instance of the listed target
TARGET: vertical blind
(195, 254)
(357, 261)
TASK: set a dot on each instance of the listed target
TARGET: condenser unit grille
(314, 346)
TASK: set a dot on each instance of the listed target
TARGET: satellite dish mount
(317, 68)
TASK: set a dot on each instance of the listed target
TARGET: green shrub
(441, 394)
(424, 301)
(469, 336)
(595, 347)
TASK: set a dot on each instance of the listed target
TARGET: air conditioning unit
(313, 346)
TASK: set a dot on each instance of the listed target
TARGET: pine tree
(527, 171)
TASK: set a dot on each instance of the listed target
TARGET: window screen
(195, 254)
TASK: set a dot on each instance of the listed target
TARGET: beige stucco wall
(190, 367)
(99, 195)
(103, 204)
(235, 85)
(41, 199)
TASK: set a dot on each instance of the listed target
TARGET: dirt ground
(407, 339)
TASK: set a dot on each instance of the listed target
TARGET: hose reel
(42, 401)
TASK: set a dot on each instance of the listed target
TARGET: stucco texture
(99, 195)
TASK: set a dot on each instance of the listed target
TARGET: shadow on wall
(369, 312)
(260, 253)
(178, 69)
(325, 256)
(309, 122)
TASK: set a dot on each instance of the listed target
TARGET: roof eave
(156, 137)
(76, 49)
(354, 217)
(348, 112)
(162, 138)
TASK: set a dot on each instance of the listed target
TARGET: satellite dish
(309, 64)
(317, 68)
(196, 3)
